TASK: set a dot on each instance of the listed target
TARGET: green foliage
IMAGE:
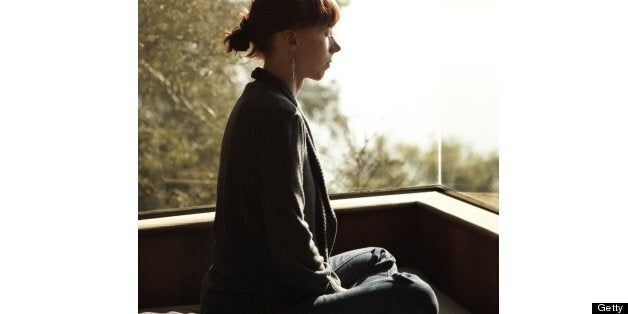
(371, 166)
(187, 86)
(462, 168)
(379, 162)
(321, 104)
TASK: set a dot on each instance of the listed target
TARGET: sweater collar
(265, 76)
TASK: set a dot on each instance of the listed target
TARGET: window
(410, 100)
(187, 86)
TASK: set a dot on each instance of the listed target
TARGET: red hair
(265, 18)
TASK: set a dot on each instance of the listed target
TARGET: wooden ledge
(467, 212)
(191, 220)
(448, 205)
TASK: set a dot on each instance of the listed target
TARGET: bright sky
(403, 63)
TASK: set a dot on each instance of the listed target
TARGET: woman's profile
(274, 228)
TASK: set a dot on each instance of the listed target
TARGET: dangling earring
(293, 63)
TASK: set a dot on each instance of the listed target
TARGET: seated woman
(274, 228)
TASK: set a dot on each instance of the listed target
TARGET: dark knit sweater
(274, 227)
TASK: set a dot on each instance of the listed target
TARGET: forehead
(317, 29)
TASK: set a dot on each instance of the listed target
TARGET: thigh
(400, 293)
(357, 266)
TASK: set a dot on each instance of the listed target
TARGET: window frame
(169, 212)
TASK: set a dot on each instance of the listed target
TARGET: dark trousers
(373, 286)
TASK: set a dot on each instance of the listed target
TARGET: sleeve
(295, 258)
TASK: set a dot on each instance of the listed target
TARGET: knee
(418, 292)
(378, 250)
(381, 253)
(382, 259)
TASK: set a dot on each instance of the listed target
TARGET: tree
(379, 162)
(463, 169)
(187, 85)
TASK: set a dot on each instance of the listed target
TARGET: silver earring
(293, 66)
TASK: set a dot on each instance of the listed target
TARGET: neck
(281, 69)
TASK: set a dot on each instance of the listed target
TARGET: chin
(318, 76)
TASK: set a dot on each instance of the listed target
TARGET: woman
(274, 228)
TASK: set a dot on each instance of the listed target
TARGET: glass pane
(418, 89)
(187, 87)
(468, 70)
(410, 99)
(388, 97)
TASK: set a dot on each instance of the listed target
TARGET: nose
(334, 45)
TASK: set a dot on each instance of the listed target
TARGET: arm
(297, 262)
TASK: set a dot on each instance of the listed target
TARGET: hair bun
(238, 40)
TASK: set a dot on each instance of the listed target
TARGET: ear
(291, 40)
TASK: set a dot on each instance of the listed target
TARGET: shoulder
(263, 110)
(261, 97)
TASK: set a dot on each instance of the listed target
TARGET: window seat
(451, 242)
